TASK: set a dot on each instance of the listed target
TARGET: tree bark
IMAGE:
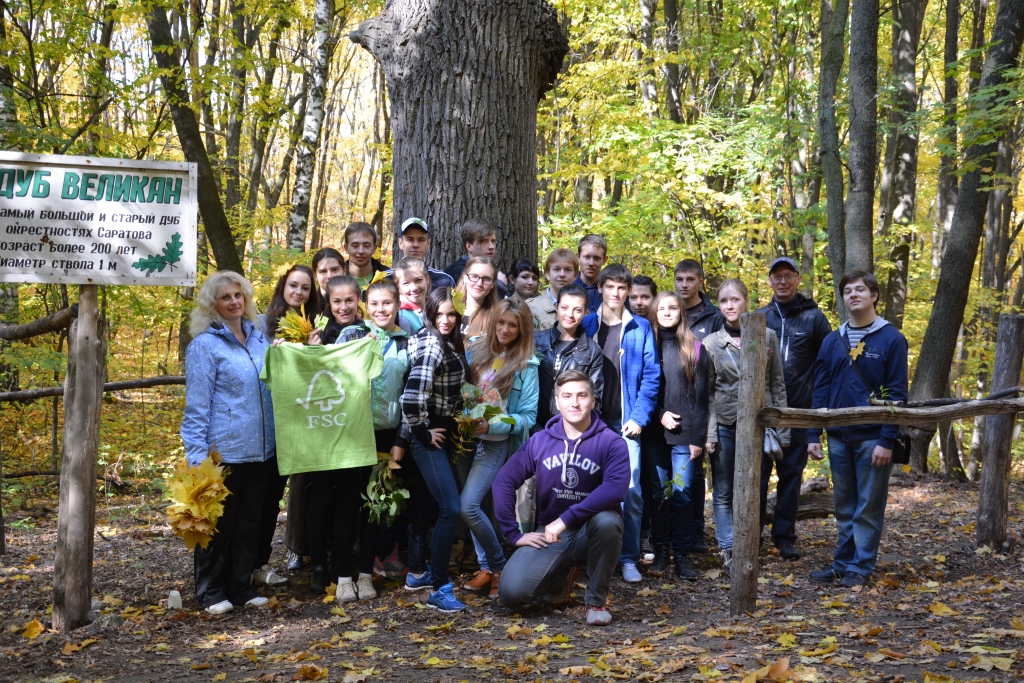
(947, 190)
(324, 21)
(215, 221)
(862, 156)
(76, 517)
(51, 323)
(464, 79)
(833, 52)
(645, 52)
(908, 18)
(672, 80)
(747, 478)
(932, 375)
(993, 502)
(265, 122)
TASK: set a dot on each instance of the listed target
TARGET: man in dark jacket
(703, 318)
(801, 328)
(582, 471)
(414, 241)
(479, 238)
(865, 357)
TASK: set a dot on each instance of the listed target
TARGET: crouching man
(582, 472)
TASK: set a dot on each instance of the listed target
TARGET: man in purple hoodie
(582, 473)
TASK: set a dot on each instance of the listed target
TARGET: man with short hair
(582, 473)
(360, 244)
(865, 357)
(801, 328)
(632, 378)
(561, 268)
(593, 254)
(703, 318)
(479, 238)
(414, 241)
(641, 295)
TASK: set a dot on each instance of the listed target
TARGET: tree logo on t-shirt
(569, 478)
(325, 402)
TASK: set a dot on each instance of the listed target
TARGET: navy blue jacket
(883, 363)
(709, 321)
(801, 332)
(593, 294)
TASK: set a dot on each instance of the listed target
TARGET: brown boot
(495, 581)
(480, 581)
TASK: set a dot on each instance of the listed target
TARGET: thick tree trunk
(215, 221)
(995, 475)
(9, 305)
(908, 17)
(464, 79)
(931, 375)
(862, 156)
(76, 517)
(833, 21)
(325, 22)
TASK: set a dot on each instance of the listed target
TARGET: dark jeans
(420, 513)
(791, 472)
(223, 570)
(675, 472)
(532, 573)
(268, 519)
(653, 495)
(296, 531)
(337, 495)
(440, 480)
(697, 487)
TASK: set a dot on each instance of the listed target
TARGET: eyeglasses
(788, 277)
(474, 278)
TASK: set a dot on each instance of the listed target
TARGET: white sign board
(95, 221)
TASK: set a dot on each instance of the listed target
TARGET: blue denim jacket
(226, 404)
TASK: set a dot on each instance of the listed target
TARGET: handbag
(772, 444)
(901, 446)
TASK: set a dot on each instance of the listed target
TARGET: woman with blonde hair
(228, 408)
(504, 368)
(478, 284)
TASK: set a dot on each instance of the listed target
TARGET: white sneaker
(630, 574)
(365, 587)
(346, 590)
(266, 576)
(221, 607)
(258, 601)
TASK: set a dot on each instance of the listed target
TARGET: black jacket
(583, 354)
(708, 321)
(677, 395)
(801, 333)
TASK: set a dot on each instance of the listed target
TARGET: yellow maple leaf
(294, 327)
(787, 640)
(940, 609)
(32, 629)
(198, 495)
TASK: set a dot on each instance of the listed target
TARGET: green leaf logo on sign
(156, 263)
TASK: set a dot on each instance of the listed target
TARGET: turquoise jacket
(522, 405)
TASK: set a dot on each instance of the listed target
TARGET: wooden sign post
(746, 527)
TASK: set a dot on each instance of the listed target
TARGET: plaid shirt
(434, 388)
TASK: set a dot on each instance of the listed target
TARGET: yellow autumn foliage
(294, 327)
(198, 494)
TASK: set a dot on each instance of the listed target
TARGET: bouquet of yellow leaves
(198, 494)
(295, 327)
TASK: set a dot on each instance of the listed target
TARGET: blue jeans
(490, 456)
(682, 473)
(437, 473)
(633, 507)
(860, 492)
(723, 465)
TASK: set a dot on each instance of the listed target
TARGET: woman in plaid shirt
(430, 402)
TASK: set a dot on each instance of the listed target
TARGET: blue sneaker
(444, 599)
(418, 583)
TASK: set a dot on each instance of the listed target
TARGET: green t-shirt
(321, 397)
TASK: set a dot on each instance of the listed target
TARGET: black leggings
(338, 494)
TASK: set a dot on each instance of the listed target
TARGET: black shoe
(787, 549)
(646, 549)
(727, 561)
(850, 580)
(699, 545)
(827, 575)
(684, 570)
(319, 582)
(661, 559)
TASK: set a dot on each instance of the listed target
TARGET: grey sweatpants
(532, 573)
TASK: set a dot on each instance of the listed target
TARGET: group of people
(609, 396)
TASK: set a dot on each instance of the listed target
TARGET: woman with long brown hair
(478, 284)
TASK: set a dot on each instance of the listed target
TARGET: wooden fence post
(76, 515)
(993, 500)
(746, 529)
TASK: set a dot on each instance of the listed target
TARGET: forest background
(675, 129)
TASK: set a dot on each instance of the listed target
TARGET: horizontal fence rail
(824, 418)
(145, 383)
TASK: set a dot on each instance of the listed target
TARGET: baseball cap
(783, 261)
(414, 223)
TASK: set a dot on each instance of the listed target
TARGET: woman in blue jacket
(503, 366)
(228, 408)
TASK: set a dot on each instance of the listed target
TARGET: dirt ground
(936, 611)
